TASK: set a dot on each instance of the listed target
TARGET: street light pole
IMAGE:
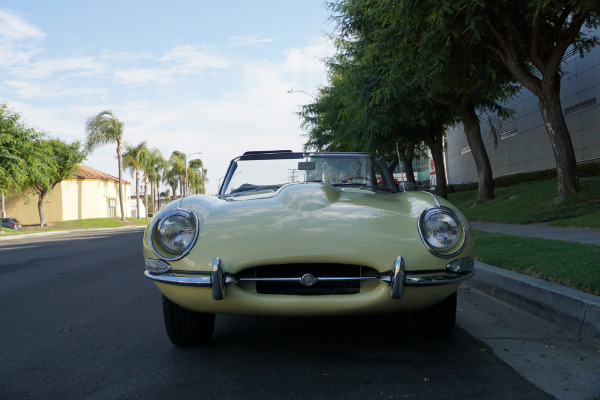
(302, 91)
(185, 187)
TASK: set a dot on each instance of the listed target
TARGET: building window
(465, 150)
(580, 106)
(112, 208)
(507, 134)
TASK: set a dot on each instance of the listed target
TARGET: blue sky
(194, 76)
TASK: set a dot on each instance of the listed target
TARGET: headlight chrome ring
(175, 233)
(442, 231)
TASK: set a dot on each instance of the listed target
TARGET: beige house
(89, 194)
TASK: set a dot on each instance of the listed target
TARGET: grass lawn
(570, 264)
(575, 265)
(90, 223)
(534, 202)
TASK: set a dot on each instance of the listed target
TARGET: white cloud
(16, 39)
(79, 66)
(191, 60)
(307, 59)
(250, 40)
(36, 90)
(179, 62)
(13, 28)
(144, 76)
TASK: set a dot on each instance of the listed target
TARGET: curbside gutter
(572, 309)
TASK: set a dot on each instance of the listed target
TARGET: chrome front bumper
(397, 279)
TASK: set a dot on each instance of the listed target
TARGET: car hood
(309, 222)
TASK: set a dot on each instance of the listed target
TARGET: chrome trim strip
(323, 278)
(171, 278)
(434, 280)
(434, 198)
(392, 278)
(206, 280)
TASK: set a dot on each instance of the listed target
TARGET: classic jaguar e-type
(308, 234)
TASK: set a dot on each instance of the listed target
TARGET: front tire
(436, 322)
(185, 327)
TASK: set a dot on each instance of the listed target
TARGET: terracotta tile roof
(86, 172)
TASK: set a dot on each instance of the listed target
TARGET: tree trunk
(137, 193)
(393, 166)
(152, 189)
(120, 160)
(146, 193)
(562, 146)
(407, 164)
(485, 179)
(157, 196)
(42, 197)
(437, 153)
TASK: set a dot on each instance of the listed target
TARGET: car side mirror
(407, 187)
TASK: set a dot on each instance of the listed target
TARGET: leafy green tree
(530, 38)
(23, 158)
(134, 160)
(104, 128)
(64, 159)
(399, 44)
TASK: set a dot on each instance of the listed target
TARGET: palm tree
(196, 175)
(134, 160)
(104, 128)
(167, 195)
(177, 162)
(154, 169)
(171, 176)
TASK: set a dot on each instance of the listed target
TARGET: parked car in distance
(11, 223)
(308, 234)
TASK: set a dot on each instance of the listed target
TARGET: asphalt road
(79, 321)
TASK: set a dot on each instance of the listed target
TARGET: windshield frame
(289, 155)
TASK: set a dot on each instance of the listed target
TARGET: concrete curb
(572, 309)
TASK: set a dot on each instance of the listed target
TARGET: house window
(112, 208)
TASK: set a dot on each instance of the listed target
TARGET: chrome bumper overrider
(218, 280)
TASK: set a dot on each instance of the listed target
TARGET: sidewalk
(55, 233)
(572, 309)
(588, 236)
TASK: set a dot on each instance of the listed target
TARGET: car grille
(347, 282)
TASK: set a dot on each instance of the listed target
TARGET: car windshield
(268, 172)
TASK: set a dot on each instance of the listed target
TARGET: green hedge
(583, 170)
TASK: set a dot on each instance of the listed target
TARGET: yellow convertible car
(308, 234)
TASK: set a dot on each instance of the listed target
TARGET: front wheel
(436, 322)
(185, 327)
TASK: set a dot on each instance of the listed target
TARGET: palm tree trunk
(120, 159)
(146, 193)
(152, 189)
(137, 193)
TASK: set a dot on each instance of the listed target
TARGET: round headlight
(442, 231)
(176, 233)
